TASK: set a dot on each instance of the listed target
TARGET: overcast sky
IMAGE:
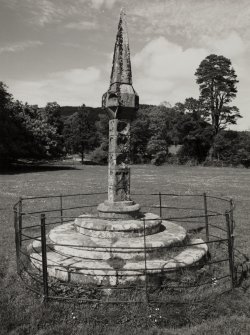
(61, 50)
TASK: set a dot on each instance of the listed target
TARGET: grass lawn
(23, 313)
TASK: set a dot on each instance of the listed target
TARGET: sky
(61, 50)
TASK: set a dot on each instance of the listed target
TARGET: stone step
(101, 228)
(66, 240)
(114, 271)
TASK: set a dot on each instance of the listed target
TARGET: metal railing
(212, 218)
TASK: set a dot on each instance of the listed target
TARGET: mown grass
(23, 313)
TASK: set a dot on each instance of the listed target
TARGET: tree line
(197, 126)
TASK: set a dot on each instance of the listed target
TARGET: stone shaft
(119, 159)
(121, 102)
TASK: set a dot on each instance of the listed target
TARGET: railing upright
(230, 249)
(44, 258)
(17, 241)
(160, 204)
(61, 208)
(232, 215)
(206, 216)
(20, 220)
(145, 262)
(232, 226)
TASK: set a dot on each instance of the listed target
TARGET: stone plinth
(93, 250)
(119, 210)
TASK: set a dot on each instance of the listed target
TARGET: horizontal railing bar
(58, 210)
(73, 195)
(140, 272)
(191, 216)
(90, 216)
(218, 198)
(211, 225)
(62, 195)
(187, 208)
(27, 239)
(77, 207)
(170, 194)
(40, 212)
(30, 238)
(137, 248)
(96, 300)
(29, 227)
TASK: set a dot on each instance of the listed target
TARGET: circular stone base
(97, 227)
(66, 240)
(118, 210)
(79, 270)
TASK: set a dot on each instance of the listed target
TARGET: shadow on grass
(21, 167)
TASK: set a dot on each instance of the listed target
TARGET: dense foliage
(25, 131)
(195, 128)
(79, 133)
(217, 82)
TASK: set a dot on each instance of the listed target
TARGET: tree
(53, 116)
(139, 136)
(193, 107)
(217, 81)
(24, 132)
(233, 147)
(80, 133)
(196, 137)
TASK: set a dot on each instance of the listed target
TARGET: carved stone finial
(121, 69)
(121, 100)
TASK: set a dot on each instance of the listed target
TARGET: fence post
(145, 262)
(61, 209)
(230, 248)
(44, 258)
(17, 242)
(20, 220)
(206, 217)
(232, 215)
(160, 204)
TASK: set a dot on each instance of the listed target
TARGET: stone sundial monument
(121, 102)
(108, 248)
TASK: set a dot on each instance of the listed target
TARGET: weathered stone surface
(118, 210)
(80, 270)
(121, 100)
(119, 158)
(66, 240)
(92, 226)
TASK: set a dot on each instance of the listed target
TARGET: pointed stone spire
(121, 70)
(121, 100)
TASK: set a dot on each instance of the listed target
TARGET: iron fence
(208, 217)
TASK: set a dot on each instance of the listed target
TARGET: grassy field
(22, 313)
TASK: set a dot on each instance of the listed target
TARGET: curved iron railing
(211, 218)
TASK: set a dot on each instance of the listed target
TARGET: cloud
(165, 71)
(20, 46)
(190, 20)
(97, 4)
(82, 25)
(230, 46)
(71, 87)
(45, 12)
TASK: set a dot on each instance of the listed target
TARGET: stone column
(121, 102)
(119, 159)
